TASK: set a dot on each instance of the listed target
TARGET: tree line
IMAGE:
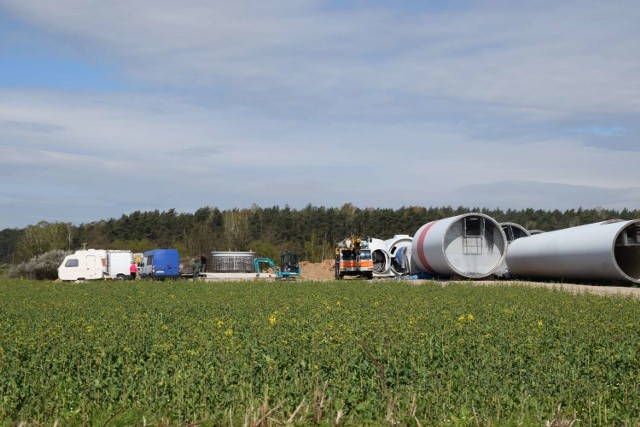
(312, 231)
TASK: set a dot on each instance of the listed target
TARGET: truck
(94, 264)
(353, 258)
(160, 264)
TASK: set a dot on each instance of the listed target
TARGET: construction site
(471, 247)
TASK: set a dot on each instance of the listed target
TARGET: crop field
(311, 353)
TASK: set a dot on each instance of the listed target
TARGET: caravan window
(72, 262)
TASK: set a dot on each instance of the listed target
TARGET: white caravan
(90, 264)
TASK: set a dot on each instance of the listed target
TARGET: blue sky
(111, 107)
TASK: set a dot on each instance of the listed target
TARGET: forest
(311, 232)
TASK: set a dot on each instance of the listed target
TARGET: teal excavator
(289, 266)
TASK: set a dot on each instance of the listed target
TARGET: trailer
(96, 264)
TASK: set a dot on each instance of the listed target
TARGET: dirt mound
(317, 271)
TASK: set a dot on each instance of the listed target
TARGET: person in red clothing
(133, 270)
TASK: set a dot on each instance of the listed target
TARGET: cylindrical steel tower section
(608, 250)
(513, 231)
(470, 245)
(396, 242)
(532, 232)
(232, 262)
(380, 257)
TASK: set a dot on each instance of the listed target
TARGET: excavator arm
(257, 262)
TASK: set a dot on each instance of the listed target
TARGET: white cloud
(229, 104)
(569, 56)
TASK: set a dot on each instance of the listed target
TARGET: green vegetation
(41, 267)
(312, 231)
(353, 353)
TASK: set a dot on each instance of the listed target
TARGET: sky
(111, 107)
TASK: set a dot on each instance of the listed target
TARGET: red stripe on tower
(421, 255)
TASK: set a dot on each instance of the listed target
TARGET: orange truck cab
(353, 258)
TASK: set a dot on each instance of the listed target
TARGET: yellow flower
(470, 317)
(220, 323)
(229, 332)
(539, 323)
(273, 319)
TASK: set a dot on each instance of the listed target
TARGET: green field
(305, 353)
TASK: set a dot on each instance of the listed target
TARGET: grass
(300, 353)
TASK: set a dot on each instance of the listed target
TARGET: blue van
(160, 264)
